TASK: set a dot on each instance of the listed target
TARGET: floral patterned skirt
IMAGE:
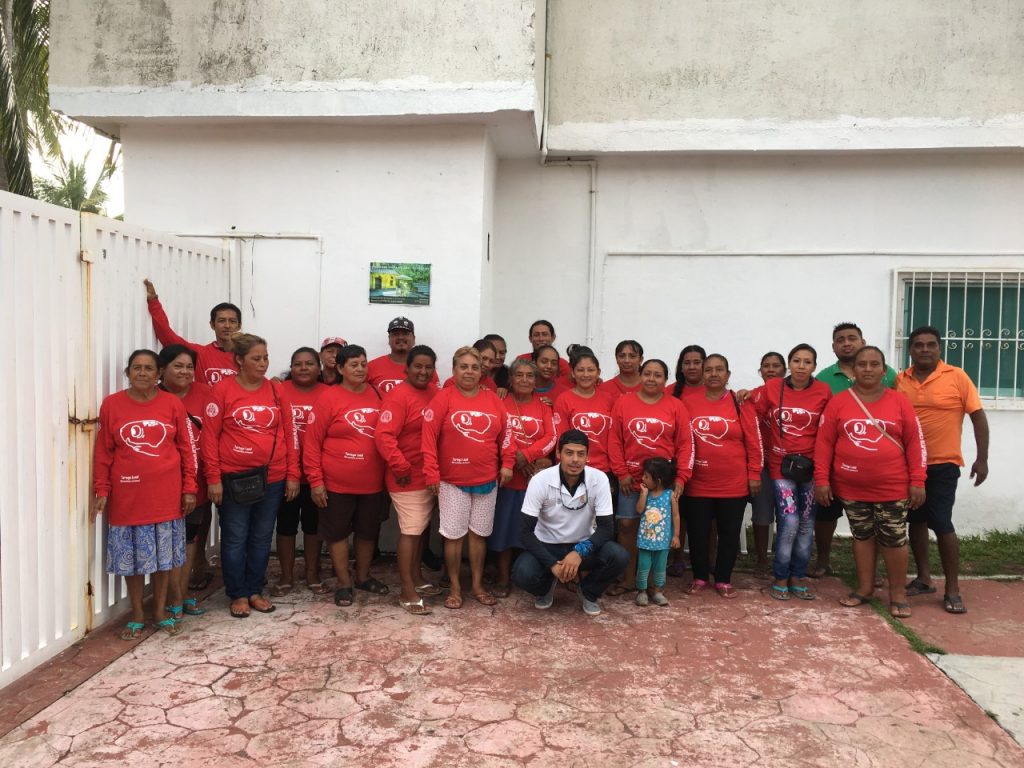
(137, 550)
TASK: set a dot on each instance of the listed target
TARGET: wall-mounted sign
(392, 283)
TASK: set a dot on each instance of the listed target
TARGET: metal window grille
(980, 314)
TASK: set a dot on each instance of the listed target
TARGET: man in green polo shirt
(847, 338)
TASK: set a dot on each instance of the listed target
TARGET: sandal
(502, 590)
(188, 605)
(415, 607)
(854, 600)
(485, 598)
(900, 610)
(953, 604)
(201, 582)
(803, 593)
(453, 602)
(918, 587)
(280, 590)
(779, 593)
(169, 626)
(726, 590)
(430, 590)
(132, 630)
(268, 607)
(318, 588)
(618, 589)
(695, 586)
(175, 611)
(343, 597)
(240, 613)
(373, 585)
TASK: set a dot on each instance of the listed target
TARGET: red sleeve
(293, 471)
(431, 432)
(313, 445)
(389, 426)
(825, 443)
(209, 439)
(162, 326)
(683, 445)
(616, 450)
(752, 438)
(759, 399)
(562, 414)
(545, 443)
(103, 455)
(913, 443)
(506, 438)
(186, 448)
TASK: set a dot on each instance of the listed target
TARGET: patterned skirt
(137, 550)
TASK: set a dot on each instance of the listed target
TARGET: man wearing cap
(388, 371)
(329, 356)
(568, 530)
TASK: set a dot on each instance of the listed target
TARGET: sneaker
(658, 598)
(590, 607)
(544, 602)
(642, 599)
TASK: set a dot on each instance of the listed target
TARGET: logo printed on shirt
(386, 385)
(215, 375)
(144, 436)
(711, 429)
(795, 420)
(212, 410)
(302, 416)
(593, 425)
(864, 434)
(363, 420)
(255, 418)
(526, 427)
(385, 417)
(472, 424)
(646, 430)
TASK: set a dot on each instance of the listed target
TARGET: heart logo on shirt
(215, 375)
(303, 416)
(255, 418)
(795, 420)
(144, 436)
(593, 425)
(647, 430)
(525, 427)
(710, 429)
(363, 420)
(864, 434)
(473, 424)
(386, 385)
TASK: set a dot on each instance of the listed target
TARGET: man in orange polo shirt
(941, 394)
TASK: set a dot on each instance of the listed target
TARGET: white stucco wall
(152, 58)
(664, 75)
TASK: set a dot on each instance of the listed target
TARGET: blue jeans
(245, 534)
(794, 528)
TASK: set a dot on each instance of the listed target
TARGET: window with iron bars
(980, 314)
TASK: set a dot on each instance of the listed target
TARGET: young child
(659, 529)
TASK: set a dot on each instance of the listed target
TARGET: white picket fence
(72, 306)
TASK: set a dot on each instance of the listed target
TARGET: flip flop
(169, 626)
(343, 597)
(453, 602)
(854, 600)
(918, 587)
(726, 590)
(485, 598)
(415, 607)
(430, 590)
(900, 610)
(280, 590)
(779, 593)
(373, 586)
(953, 604)
(803, 593)
(188, 605)
(132, 630)
(318, 588)
(239, 613)
(269, 609)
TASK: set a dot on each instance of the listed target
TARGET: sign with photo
(392, 283)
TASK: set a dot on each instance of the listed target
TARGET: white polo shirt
(547, 500)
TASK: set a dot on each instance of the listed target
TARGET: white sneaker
(590, 607)
(544, 602)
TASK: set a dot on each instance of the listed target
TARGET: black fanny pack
(795, 466)
(248, 486)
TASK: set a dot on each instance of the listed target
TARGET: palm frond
(14, 142)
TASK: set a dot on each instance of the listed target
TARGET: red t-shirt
(616, 388)
(688, 392)
(801, 411)
(727, 447)
(641, 430)
(195, 404)
(239, 430)
(465, 439)
(399, 436)
(385, 374)
(340, 450)
(302, 412)
(533, 432)
(858, 461)
(593, 417)
(213, 362)
(486, 382)
(144, 458)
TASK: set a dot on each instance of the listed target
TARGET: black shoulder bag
(795, 466)
(250, 485)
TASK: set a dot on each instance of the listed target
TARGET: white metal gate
(72, 305)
